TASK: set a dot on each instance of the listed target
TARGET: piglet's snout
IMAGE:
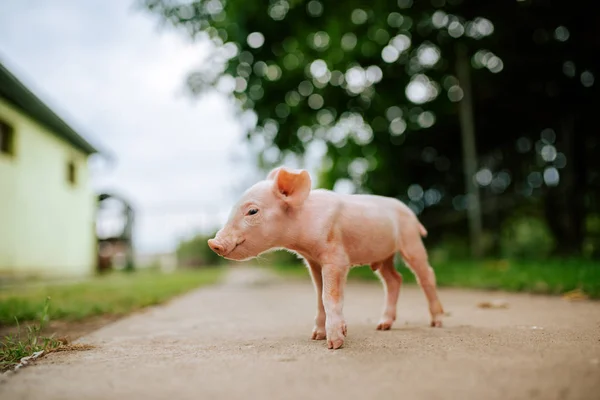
(216, 247)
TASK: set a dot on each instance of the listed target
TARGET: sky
(113, 74)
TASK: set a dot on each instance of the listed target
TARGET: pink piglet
(333, 233)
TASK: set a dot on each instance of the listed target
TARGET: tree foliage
(194, 252)
(372, 85)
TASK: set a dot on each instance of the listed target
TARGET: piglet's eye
(252, 211)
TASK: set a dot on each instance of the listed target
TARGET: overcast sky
(118, 79)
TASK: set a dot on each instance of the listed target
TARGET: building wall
(46, 222)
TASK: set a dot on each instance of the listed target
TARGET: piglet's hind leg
(415, 256)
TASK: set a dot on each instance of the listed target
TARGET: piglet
(332, 232)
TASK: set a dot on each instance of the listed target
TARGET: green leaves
(306, 68)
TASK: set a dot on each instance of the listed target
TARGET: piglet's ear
(272, 174)
(292, 186)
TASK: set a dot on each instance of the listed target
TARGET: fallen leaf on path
(575, 295)
(493, 304)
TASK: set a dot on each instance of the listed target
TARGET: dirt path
(249, 339)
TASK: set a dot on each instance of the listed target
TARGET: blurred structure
(115, 230)
(166, 262)
(46, 202)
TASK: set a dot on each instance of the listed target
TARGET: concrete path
(249, 339)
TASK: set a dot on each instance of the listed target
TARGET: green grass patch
(26, 341)
(115, 294)
(31, 307)
(544, 276)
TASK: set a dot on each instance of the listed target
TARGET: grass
(22, 344)
(115, 294)
(543, 277)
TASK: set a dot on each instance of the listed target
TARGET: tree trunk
(494, 226)
(467, 127)
(565, 206)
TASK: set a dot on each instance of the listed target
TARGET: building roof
(12, 90)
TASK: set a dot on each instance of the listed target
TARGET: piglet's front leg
(334, 280)
(318, 332)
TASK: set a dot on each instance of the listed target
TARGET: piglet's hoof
(385, 325)
(335, 336)
(318, 334)
(335, 344)
(436, 323)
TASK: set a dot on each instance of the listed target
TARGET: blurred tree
(194, 252)
(373, 85)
